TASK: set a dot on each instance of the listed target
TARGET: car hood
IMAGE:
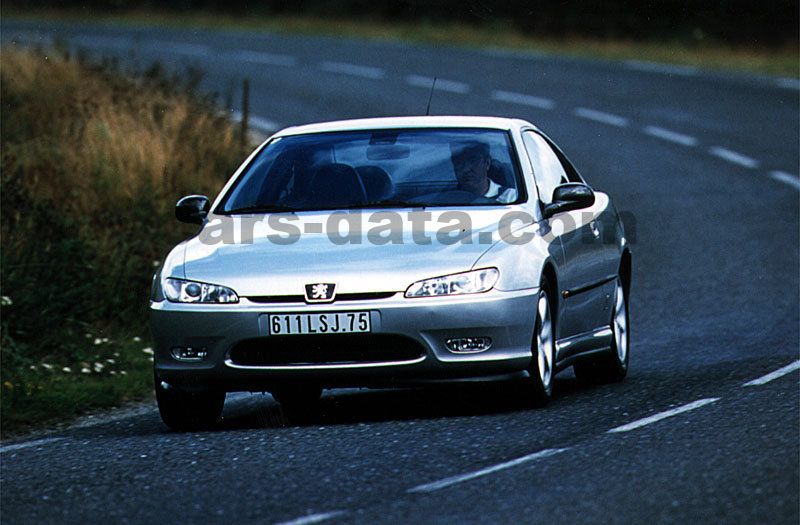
(263, 267)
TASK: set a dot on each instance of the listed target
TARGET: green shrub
(92, 163)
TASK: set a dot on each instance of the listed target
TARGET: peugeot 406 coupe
(391, 251)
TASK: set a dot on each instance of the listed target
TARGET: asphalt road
(705, 164)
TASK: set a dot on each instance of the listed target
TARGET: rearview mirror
(568, 197)
(192, 209)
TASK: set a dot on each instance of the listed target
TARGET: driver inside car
(471, 164)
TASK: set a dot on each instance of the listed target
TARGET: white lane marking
(34, 443)
(181, 49)
(271, 59)
(257, 122)
(671, 136)
(663, 415)
(109, 42)
(656, 67)
(498, 52)
(344, 68)
(774, 375)
(782, 176)
(32, 36)
(602, 117)
(734, 157)
(525, 100)
(436, 485)
(441, 84)
(313, 518)
(788, 83)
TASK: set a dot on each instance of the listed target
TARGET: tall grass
(93, 161)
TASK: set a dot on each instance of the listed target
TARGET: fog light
(469, 344)
(189, 353)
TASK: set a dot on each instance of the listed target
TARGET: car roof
(501, 123)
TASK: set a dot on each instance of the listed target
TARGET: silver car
(391, 251)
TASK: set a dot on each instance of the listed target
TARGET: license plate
(322, 323)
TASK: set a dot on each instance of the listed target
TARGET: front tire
(611, 367)
(542, 367)
(183, 410)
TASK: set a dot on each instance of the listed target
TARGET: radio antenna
(428, 109)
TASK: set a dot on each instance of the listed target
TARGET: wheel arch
(549, 272)
(625, 271)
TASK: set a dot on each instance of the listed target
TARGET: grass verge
(93, 160)
(699, 52)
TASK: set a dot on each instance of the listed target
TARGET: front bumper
(507, 317)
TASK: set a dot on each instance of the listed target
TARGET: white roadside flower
(148, 350)
(66, 370)
(6, 301)
(98, 341)
(137, 339)
(123, 373)
(47, 366)
(85, 371)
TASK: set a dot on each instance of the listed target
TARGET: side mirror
(192, 209)
(568, 197)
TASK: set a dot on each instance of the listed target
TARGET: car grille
(329, 349)
(301, 298)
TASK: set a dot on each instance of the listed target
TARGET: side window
(547, 168)
(572, 173)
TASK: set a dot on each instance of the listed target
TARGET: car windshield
(378, 168)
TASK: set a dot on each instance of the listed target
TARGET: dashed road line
(313, 518)
(601, 116)
(355, 70)
(436, 485)
(670, 136)
(32, 37)
(452, 86)
(663, 415)
(257, 122)
(734, 157)
(788, 83)
(498, 52)
(109, 42)
(521, 98)
(34, 443)
(182, 49)
(774, 375)
(786, 178)
(656, 67)
(259, 57)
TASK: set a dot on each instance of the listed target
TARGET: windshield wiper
(261, 209)
(279, 208)
(393, 204)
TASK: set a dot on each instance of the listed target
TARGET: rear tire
(612, 366)
(542, 367)
(183, 410)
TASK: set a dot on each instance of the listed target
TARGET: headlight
(476, 281)
(180, 291)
